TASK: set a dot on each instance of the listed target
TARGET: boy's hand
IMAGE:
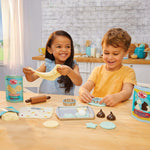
(110, 100)
(124, 94)
(85, 96)
(64, 70)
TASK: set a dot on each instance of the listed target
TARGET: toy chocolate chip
(144, 106)
(111, 116)
(100, 114)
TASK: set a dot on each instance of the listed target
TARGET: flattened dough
(107, 125)
(10, 116)
(52, 75)
(51, 124)
(91, 125)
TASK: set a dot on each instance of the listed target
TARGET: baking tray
(72, 113)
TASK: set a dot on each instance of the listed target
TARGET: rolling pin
(37, 99)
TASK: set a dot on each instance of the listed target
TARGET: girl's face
(61, 49)
(113, 57)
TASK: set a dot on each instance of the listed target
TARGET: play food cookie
(91, 125)
(107, 125)
(51, 124)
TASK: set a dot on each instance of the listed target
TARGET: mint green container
(14, 88)
(141, 104)
(88, 51)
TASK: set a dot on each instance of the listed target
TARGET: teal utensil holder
(139, 51)
(88, 51)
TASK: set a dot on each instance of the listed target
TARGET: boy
(113, 82)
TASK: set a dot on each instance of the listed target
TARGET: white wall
(83, 19)
(32, 30)
(32, 35)
(90, 19)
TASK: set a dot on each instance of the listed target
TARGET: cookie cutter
(96, 100)
(69, 102)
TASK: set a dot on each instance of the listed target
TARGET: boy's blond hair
(117, 37)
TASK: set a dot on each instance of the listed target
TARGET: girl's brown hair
(65, 80)
(117, 37)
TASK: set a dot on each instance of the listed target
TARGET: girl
(113, 82)
(59, 50)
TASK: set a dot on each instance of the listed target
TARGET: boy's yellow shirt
(110, 82)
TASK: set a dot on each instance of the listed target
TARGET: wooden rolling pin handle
(37, 99)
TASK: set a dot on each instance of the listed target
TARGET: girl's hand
(110, 100)
(28, 74)
(64, 70)
(85, 96)
(27, 71)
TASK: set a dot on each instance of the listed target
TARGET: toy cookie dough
(82, 112)
(52, 75)
(51, 124)
(74, 112)
(91, 125)
(10, 116)
(111, 116)
(69, 102)
(107, 125)
(95, 101)
(68, 115)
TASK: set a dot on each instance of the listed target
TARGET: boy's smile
(113, 57)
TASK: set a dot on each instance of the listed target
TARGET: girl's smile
(61, 49)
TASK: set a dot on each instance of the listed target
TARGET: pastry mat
(35, 112)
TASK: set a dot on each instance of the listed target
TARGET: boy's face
(113, 57)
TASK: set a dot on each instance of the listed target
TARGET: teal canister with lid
(88, 51)
(139, 51)
(141, 103)
(14, 88)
